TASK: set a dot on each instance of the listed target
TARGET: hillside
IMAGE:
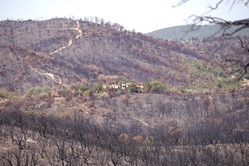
(186, 32)
(64, 61)
(74, 92)
(64, 52)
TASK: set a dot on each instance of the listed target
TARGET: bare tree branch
(227, 28)
(216, 5)
(243, 45)
(181, 3)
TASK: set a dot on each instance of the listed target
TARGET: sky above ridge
(142, 15)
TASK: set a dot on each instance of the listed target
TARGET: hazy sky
(141, 15)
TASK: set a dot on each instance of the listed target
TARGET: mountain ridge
(187, 32)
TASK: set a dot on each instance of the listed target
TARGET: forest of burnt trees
(29, 139)
(37, 139)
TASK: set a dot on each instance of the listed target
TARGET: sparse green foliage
(5, 93)
(149, 140)
(36, 91)
(133, 88)
(201, 32)
(154, 87)
(98, 88)
(79, 88)
(63, 92)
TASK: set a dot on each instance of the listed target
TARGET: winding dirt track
(70, 42)
(52, 76)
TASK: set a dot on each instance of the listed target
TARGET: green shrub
(154, 87)
(79, 88)
(147, 87)
(4, 93)
(156, 83)
(98, 88)
(38, 91)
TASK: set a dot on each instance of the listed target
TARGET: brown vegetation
(54, 109)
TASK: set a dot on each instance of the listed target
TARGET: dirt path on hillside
(52, 76)
(2, 101)
(80, 33)
(70, 42)
(141, 121)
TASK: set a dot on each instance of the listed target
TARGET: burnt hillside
(65, 51)
(67, 61)
(59, 66)
(63, 100)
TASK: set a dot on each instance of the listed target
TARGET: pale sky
(142, 15)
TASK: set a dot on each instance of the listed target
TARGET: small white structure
(112, 86)
(115, 86)
(141, 86)
(125, 85)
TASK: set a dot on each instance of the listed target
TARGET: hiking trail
(70, 42)
(50, 75)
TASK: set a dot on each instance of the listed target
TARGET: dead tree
(226, 25)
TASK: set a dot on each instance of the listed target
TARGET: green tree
(154, 87)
